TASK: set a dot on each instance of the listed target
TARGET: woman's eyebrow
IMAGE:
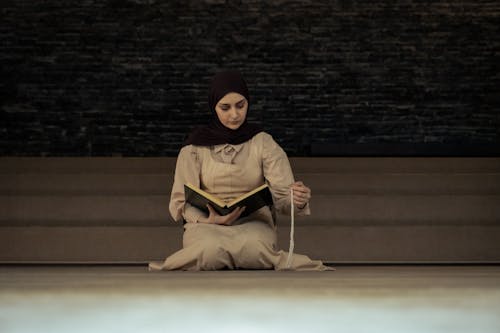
(235, 103)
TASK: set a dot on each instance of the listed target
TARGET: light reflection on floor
(356, 300)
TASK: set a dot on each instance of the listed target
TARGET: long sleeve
(278, 174)
(187, 170)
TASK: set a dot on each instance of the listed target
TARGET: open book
(253, 200)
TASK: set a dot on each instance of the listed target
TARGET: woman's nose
(234, 113)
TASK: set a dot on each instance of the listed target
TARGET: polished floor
(351, 299)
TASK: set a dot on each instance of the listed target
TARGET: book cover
(253, 200)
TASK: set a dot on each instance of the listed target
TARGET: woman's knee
(212, 256)
(255, 254)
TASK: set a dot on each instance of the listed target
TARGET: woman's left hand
(301, 194)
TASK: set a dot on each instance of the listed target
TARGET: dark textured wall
(129, 77)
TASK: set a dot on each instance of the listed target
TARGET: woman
(228, 158)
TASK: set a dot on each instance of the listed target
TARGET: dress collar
(227, 147)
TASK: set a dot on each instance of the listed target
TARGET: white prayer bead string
(292, 231)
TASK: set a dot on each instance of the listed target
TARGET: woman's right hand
(215, 218)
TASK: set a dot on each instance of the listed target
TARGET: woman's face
(232, 110)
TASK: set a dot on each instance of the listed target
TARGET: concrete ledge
(365, 210)
(367, 244)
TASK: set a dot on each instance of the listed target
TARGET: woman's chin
(233, 126)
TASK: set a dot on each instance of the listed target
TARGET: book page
(246, 195)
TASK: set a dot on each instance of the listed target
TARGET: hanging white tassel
(292, 231)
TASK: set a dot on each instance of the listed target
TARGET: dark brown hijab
(215, 132)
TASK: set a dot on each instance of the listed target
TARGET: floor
(351, 299)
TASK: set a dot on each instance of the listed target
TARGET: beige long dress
(228, 171)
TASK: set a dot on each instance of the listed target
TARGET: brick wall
(124, 77)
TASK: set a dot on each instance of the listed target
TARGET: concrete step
(85, 183)
(299, 164)
(396, 243)
(113, 165)
(84, 210)
(327, 209)
(402, 183)
(396, 164)
(337, 244)
(320, 183)
(88, 244)
(364, 209)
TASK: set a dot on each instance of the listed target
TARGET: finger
(301, 188)
(238, 211)
(300, 205)
(235, 213)
(297, 194)
(299, 201)
(233, 216)
(302, 195)
(211, 210)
